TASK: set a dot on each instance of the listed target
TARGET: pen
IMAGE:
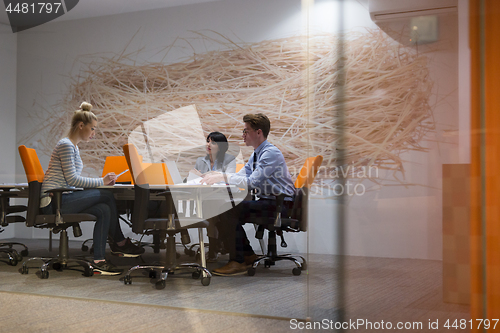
(118, 175)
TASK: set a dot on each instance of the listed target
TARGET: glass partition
(379, 89)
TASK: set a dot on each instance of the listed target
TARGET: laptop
(174, 172)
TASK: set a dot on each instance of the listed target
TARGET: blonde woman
(64, 170)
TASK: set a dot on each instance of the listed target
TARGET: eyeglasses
(245, 131)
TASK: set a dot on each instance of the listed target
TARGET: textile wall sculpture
(292, 80)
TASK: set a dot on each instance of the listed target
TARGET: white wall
(389, 222)
(8, 49)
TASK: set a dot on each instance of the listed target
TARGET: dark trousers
(231, 225)
(100, 203)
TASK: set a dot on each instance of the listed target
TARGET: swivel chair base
(24, 252)
(13, 256)
(60, 262)
(58, 265)
(271, 260)
(271, 257)
(159, 273)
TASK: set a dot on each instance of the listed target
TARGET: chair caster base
(127, 279)
(44, 274)
(159, 285)
(205, 281)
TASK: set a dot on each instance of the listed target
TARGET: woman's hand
(110, 179)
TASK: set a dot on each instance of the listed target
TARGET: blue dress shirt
(270, 177)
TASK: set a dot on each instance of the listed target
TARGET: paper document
(192, 176)
(197, 181)
(193, 181)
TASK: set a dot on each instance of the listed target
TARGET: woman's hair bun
(86, 106)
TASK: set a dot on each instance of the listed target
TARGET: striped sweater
(64, 170)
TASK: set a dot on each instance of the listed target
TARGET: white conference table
(207, 199)
(14, 186)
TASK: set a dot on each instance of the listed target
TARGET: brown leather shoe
(231, 268)
(250, 259)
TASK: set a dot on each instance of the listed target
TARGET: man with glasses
(267, 175)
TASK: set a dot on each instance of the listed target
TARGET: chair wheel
(196, 274)
(152, 274)
(127, 279)
(88, 272)
(303, 266)
(13, 261)
(91, 251)
(160, 284)
(85, 248)
(205, 281)
(57, 266)
(24, 252)
(296, 271)
(24, 270)
(44, 274)
(251, 271)
(19, 257)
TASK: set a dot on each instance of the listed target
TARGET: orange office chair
(118, 164)
(296, 221)
(57, 222)
(239, 167)
(157, 175)
(146, 174)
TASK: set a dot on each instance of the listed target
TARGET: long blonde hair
(83, 115)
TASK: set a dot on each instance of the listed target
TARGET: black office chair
(164, 227)
(7, 217)
(57, 222)
(295, 221)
